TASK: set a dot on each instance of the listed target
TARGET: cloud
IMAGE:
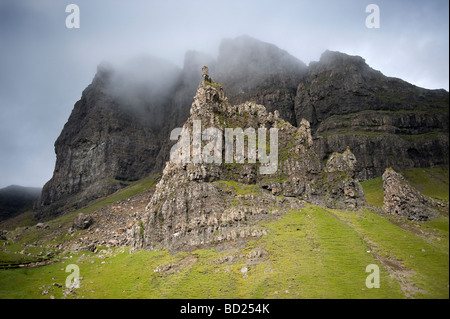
(45, 66)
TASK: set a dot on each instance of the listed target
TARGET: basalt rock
(252, 70)
(386, 122)
(119, 130)
(400, 198)
(200, 203)
(109, 140)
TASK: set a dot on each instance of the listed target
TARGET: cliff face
(207, 201)
(108, 141)
(119, 130)
(385, 121)
(251, 70)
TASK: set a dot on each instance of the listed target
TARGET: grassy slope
(309, 253)
(32, 234)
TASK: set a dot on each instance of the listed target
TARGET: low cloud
(46, 66)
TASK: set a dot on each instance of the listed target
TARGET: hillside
(387, 122)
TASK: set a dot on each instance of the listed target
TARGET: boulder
(400, 198)
(42, 226)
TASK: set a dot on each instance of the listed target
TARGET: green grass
(314, 255)
(214, 85)
(432, 182)
(239, 188)
(10, 253)
(373, 190)
(308, 253)
(127, 192)
(425, 263)
(25, 219)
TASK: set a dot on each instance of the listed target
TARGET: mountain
(213, 200)
(386, 122)
(119, 130)
(246, 207)
(15, 199)
(112, 136)
(213, 228)
(252, 70)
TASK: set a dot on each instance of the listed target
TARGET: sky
(44, 66)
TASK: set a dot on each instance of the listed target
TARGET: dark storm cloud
(44, 66)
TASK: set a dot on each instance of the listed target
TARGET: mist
(45, 66)
(143, 86)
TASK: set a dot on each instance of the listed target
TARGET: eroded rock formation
(197, 204)
(400, 198)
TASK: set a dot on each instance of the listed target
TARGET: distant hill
(16, 199)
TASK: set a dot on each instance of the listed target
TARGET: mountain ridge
(295, 90)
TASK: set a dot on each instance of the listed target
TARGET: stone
(113, 242)
(113, 137)
(91, 247)
(42, 226)
(400, 198)
(344, 162)
(386, 121)
(191, 207)
(82, 221)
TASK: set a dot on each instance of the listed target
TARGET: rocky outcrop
(341, 188)
(200, 203)
(400, 198)
(109, 140)
(119, 130)
(386, 122)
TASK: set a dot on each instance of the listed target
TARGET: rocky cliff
(386, 122)
(201, 202)
(252, 70)
(112, 137)
(119, 130)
